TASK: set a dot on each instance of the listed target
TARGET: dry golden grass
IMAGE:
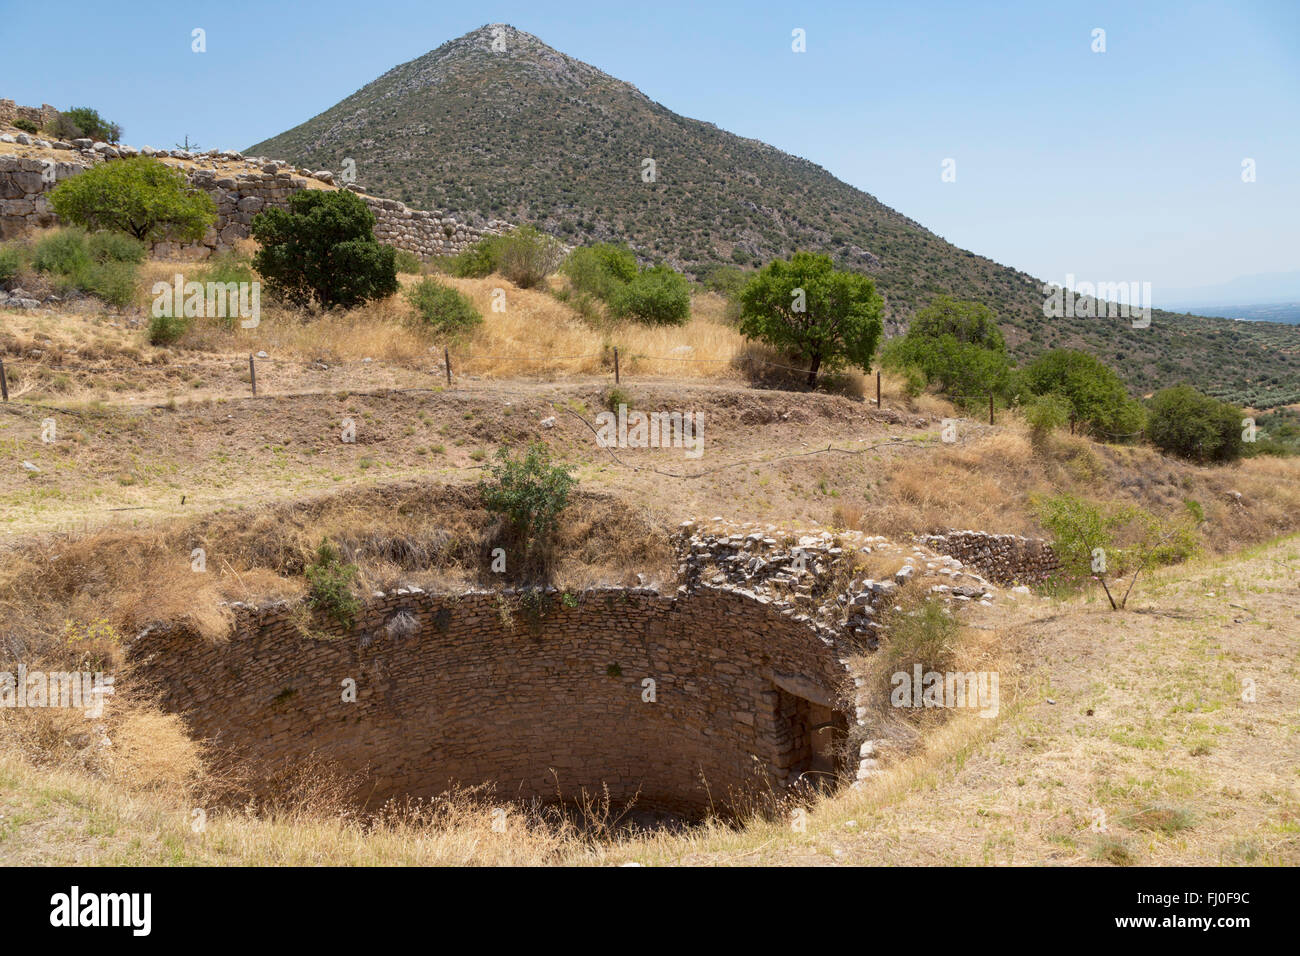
(1134, 719)
(988, 480)
(79, 596)
(535, 336)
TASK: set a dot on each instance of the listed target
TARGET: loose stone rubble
(819, 576)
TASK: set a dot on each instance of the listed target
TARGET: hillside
(529, 134)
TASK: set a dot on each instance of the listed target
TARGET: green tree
(1107, 543)
(809, 309)
(141, 196)
(968, 322)
(955, 345)
(83, 121)
(1095, 394)
(965, 371)
(323, 249)
(1185, 422)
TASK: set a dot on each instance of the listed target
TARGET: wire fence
(616, 358)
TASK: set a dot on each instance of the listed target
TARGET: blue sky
(1115, 166)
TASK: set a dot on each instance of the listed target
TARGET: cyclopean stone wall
(451, 689)
(240, 188)
(1005, 558)
(40, 115)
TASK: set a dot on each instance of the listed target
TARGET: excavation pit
(686, 704)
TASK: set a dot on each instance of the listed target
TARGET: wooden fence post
(446, 358)
(615, 365)
(252, 373)
(877, 388)
(990, 408)
(4, 385)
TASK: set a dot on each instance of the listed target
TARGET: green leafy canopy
(808, 308)
(140, 196)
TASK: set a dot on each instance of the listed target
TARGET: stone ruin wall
(449, 692)
(239, 195)
(40, 115)
(1005, 558)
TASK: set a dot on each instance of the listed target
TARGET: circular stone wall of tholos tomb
(683, 702)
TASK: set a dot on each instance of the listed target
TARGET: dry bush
(921, 629)
(132, 744)
(153, 751)
(846, 517)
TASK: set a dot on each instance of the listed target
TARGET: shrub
(83, 121)
(1094, 393)
(659, 295)
(64, 252)
(116, 247)
(166, 329)
(61, 127)
(835, 322)
(529, 492)
(322, 249)
(1187, 423)
(528, 255)
(113, 282)
(11, 262)
(330, 581)
(101, 264)
(1106, 543)
(914, 381)
(443, 309)
(229, 266)
(476, 262)
(601, 270)
(140, 196)
(407, 262)
(26, 125)
(726, 280)
(615, 396)
(1045, 414)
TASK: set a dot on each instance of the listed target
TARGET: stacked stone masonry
(41, 115)
(1005, 558)
(25, 182)
(451, 690)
